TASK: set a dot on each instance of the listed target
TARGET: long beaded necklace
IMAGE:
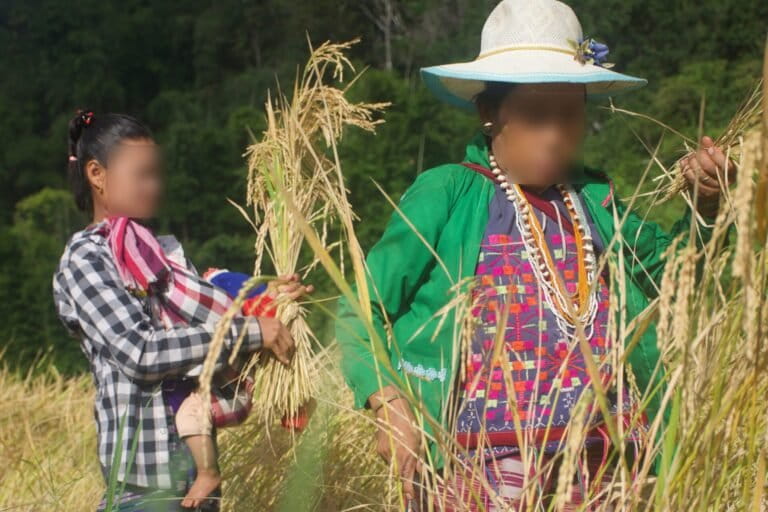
(569, 310)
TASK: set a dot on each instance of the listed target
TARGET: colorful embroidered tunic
(547, 370)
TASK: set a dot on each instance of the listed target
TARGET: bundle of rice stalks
(290, 165)
(290, 161)
(748, 117)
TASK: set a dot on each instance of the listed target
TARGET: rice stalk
(762, 181)
(748, 116)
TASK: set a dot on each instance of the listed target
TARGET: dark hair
(93, 137)
(493, 95)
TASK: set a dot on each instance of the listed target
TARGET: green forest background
(197, 72)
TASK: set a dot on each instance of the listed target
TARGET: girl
(523, 220)
(142, 347)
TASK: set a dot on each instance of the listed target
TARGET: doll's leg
(193, 422)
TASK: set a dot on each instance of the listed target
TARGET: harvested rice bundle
(288, 166)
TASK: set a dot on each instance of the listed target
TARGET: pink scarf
(178, 295)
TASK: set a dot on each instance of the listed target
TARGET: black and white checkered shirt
(130, 354)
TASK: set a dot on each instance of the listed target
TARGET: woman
(527, 224)
(138, 359)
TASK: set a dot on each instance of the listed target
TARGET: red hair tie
(86, 117)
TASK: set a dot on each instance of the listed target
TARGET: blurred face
(131, 183)
(537, 131)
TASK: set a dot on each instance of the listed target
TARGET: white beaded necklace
(559, 301)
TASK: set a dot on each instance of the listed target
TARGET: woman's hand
(710, 168)
(275, 336)
(397, 435)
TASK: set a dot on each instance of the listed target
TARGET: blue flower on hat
(589, 51)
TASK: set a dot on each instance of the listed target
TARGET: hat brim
(458, 84)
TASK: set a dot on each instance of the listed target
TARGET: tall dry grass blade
(761, 195)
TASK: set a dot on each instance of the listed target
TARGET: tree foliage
(198, 73)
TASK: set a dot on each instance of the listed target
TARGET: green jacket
(448, 207)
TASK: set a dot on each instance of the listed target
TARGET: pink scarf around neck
(146, 270)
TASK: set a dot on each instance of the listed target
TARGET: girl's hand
(713, 170)
(397, 436)
(288, 287)
(276, 338)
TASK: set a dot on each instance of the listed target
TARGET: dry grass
(48, 450)
(47, 443)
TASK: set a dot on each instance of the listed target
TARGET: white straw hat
(530, 41)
